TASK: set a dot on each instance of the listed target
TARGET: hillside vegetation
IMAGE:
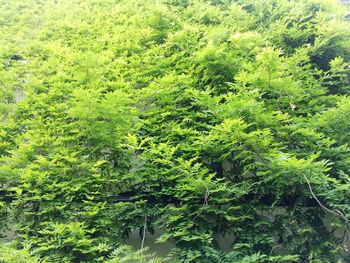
(198, 118)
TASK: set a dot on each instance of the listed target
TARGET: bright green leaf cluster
(215, 117)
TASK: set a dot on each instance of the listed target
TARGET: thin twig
(143, 237)
(274, 249)
(278, 103)
(205, 202)
(144, 232)
(336, 212)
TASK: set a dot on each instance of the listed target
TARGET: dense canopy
(198, 119)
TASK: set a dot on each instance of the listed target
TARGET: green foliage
(9, 254)
(221, 117)
(125, 254)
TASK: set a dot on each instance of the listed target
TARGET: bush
(199, 118)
